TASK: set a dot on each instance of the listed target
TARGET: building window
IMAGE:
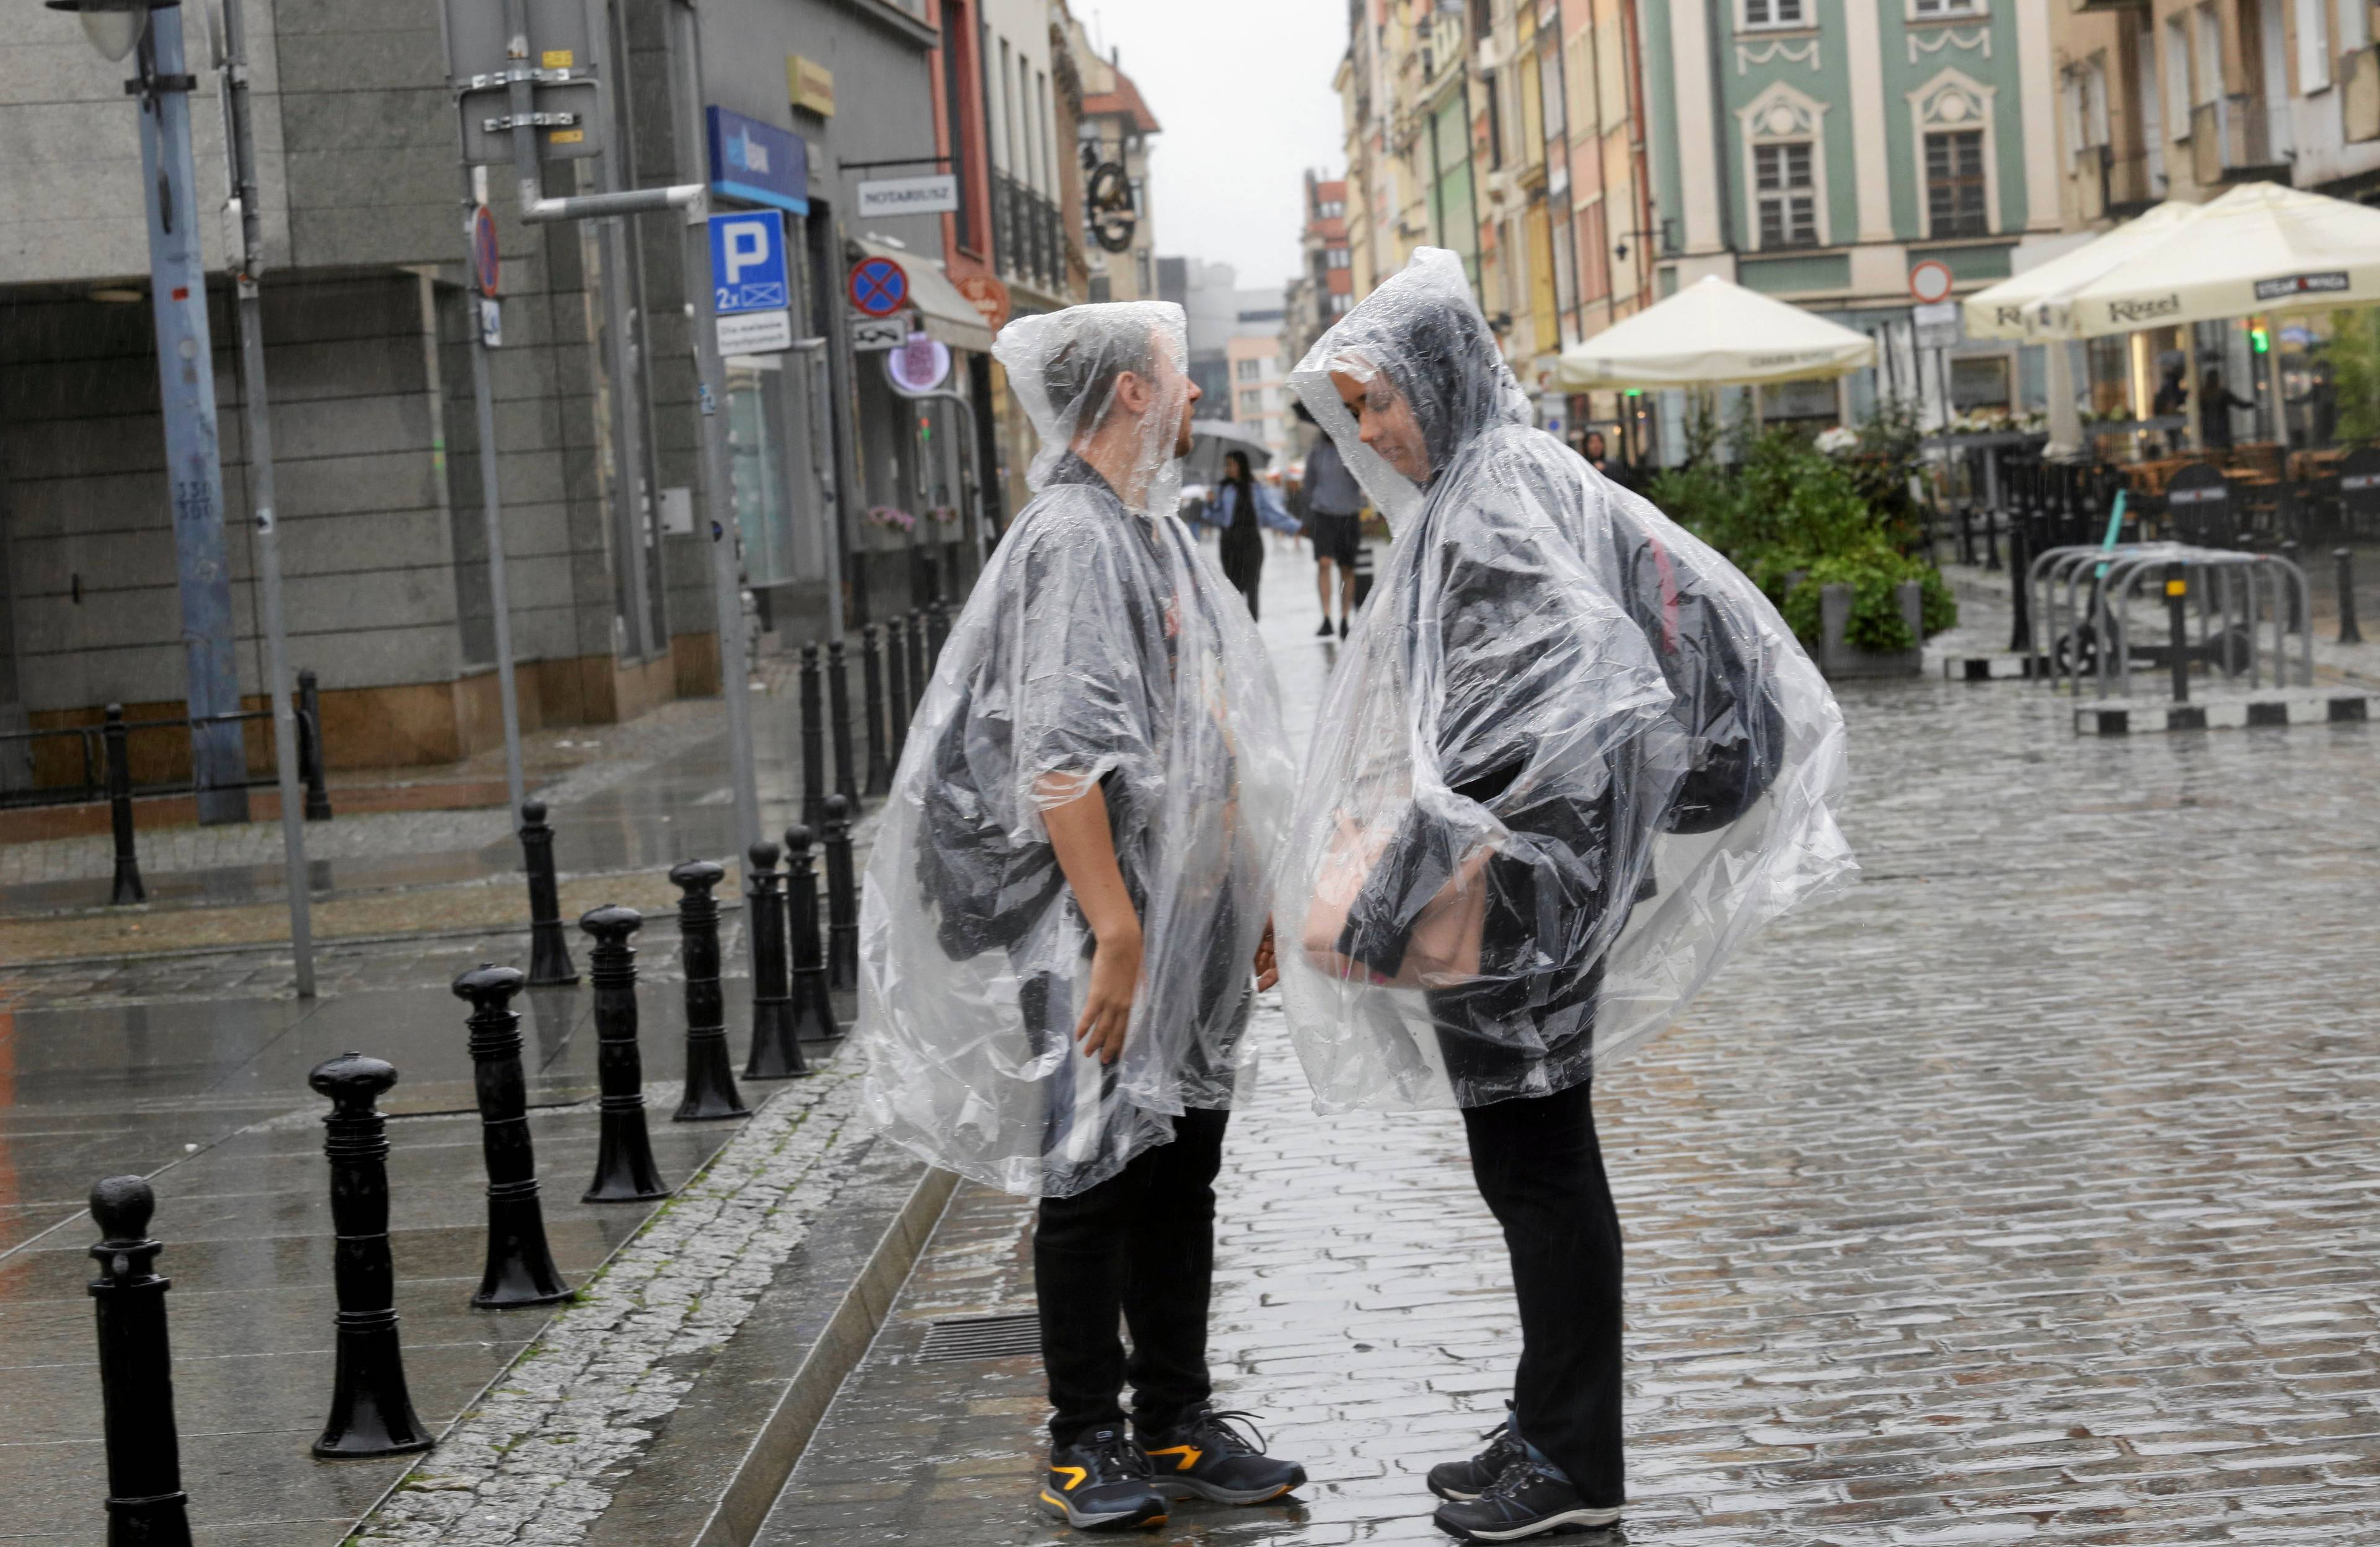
(1102, 289)
(1788, 198)
(1248, 371)
(1933, 10)
(2207, 58)
(1339, 257)
(1954, 183)
(1331, 209)
(1775, 13)
(2313, 43)
(2176, 76)
(1981, 382)
(1251, 403)
(1340, 304)
(1146, 286)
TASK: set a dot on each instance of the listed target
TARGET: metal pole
(257, 411)
(193, 454)
(718, 483)
(2177, 613)
(492, 505)
(146, 1506)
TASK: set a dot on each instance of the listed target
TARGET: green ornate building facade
(1819, 150)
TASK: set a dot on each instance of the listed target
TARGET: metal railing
(87, 765)
(1028, 233)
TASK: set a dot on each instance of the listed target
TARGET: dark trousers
(1540, 1168)
(1140, 1245)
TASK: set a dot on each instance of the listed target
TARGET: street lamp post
(187, 386)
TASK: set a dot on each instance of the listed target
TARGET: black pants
(1140, 1244)
(1540, 1168)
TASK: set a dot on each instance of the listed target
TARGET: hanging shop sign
(883, 197)
(920, 365)
(987, 296)
(758, 163)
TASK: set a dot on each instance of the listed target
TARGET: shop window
(1789, 402)
(1980, 381)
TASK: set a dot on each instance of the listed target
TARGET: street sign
(1930, 282)
(566, 106)
(755, 333)
(919, 365)
(937, 194)
(758, 163)
(987, 296)
(1937, 325)
(485, 265)
(870, 334)
(748, 262)
(491, 323)
(878, 286)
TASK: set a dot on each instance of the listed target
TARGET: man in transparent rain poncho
(1570, 760)
(1067, 910)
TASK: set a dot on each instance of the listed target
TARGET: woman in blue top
(1240, 508)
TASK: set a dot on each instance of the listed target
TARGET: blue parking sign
(748, 262)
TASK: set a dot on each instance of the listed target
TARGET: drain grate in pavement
(983, 1337)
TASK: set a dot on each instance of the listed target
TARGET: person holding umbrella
(1242, 508)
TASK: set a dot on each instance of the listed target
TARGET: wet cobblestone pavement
(2025, 1194)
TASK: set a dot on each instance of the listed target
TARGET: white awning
(2033, 304)
(946, 315)
(2261, 247)
(1714, 334)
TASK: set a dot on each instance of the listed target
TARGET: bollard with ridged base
(624, 1172)
(127, 888)
(371, 1412)
(549, 948)
(813, 738)
(710, 1090)
(519, 1268)
(880, 770)
(842, 898)
(776, 1052)
(146, 1506)
(838, 709)
(813, 1010)
(920, 661)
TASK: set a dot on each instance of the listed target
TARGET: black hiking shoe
(1530, 1499)
(1342, 627)
(1465, 1480)
(1324, 632)
(1101, 1483)
(1211, 1457)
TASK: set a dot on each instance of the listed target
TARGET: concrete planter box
(1841, 660)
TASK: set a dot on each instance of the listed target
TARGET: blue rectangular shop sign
(759, 163)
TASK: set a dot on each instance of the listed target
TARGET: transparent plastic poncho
(1100, 649)
(1571, 758)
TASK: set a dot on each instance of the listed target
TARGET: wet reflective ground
(2027, 1193)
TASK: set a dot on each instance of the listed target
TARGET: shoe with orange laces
(1218, 1457)
(1101, 1483)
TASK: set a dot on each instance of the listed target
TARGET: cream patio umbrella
(1714, 333)
(2033, 305)
(2260, 247)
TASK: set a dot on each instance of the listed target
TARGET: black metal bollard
(813, 1011)
(920, 663)
(2020, 588)
(710, 1078)
(309, 748)
(838, 706)
(842, 898)
(2347, 632)
(519, 1268)
(146, 1506)
(776, 1051)
(624, 1172)
(2289, 552)
(2176, 629)
(371, 1413)
(813, 738)
(119, 809)
(871, 675)
(938, 634)
(1991, 542)
(549, 948)
(1966, 533)
(896, 699)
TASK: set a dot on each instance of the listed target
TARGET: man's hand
(1268, 969)
(1106, 1005)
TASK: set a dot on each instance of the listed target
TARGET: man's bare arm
(1084, 842)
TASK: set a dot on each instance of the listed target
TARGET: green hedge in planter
(1795, 519)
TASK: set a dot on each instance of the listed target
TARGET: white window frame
(1804, 19)
(1925, 118)
(2354, 25)
(2177, 76)
(2314, 46)
(1755, 128)
(1949, 10)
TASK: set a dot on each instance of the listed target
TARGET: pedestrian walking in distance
(1334, 521)
(1575, 761)
(1242, 509)
(1067, 915)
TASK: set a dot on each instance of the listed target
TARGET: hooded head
(1110, 385)
(1409, 378)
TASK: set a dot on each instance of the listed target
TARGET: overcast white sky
(1243, 88)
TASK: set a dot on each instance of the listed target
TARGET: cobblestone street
(2025, 1193)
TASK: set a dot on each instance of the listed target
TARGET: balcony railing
(1028, 235)
(2123, 185)
(2230, 140)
